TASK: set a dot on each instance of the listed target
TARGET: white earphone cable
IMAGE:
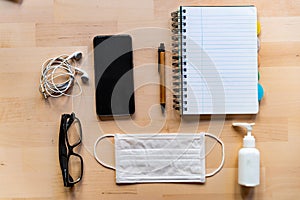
(58, 76)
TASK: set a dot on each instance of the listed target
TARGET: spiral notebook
(215, 60)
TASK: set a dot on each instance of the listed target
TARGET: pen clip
(158, 61)
(161, 48)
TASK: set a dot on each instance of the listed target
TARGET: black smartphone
(113, 64)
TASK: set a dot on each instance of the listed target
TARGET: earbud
(76, 55)
(84, 76)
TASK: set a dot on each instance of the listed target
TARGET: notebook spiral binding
(178, 59)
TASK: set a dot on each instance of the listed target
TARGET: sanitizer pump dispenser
(249, 159)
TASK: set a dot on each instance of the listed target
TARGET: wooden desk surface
(36, 30)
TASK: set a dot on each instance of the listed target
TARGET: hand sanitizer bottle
(249, 159)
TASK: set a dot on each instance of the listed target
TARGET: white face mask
(168, 157)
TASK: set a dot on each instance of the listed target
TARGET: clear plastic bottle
(249, 159)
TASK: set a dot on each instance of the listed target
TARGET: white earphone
(77, 56)
(58, 75)
(84, 77)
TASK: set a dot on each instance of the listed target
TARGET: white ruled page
(220, 60)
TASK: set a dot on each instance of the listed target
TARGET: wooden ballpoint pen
(161, 70)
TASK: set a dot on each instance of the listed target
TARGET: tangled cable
(58, 75)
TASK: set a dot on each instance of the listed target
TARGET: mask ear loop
(95, 152)
(223, 155)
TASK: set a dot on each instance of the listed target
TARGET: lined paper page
(220, 73)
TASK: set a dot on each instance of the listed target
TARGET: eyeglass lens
(74, 162)
(74, 133)
(75, 168)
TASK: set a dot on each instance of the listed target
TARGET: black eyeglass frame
(66, 149)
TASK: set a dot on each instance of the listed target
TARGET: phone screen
(113, 63)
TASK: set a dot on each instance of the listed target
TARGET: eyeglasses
(71, 163)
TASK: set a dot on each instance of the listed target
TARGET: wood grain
(34, 30)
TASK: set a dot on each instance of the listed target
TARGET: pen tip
(162, 46)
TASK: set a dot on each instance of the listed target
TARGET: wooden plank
(17, 35)
(72, 34)
(29, 11)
